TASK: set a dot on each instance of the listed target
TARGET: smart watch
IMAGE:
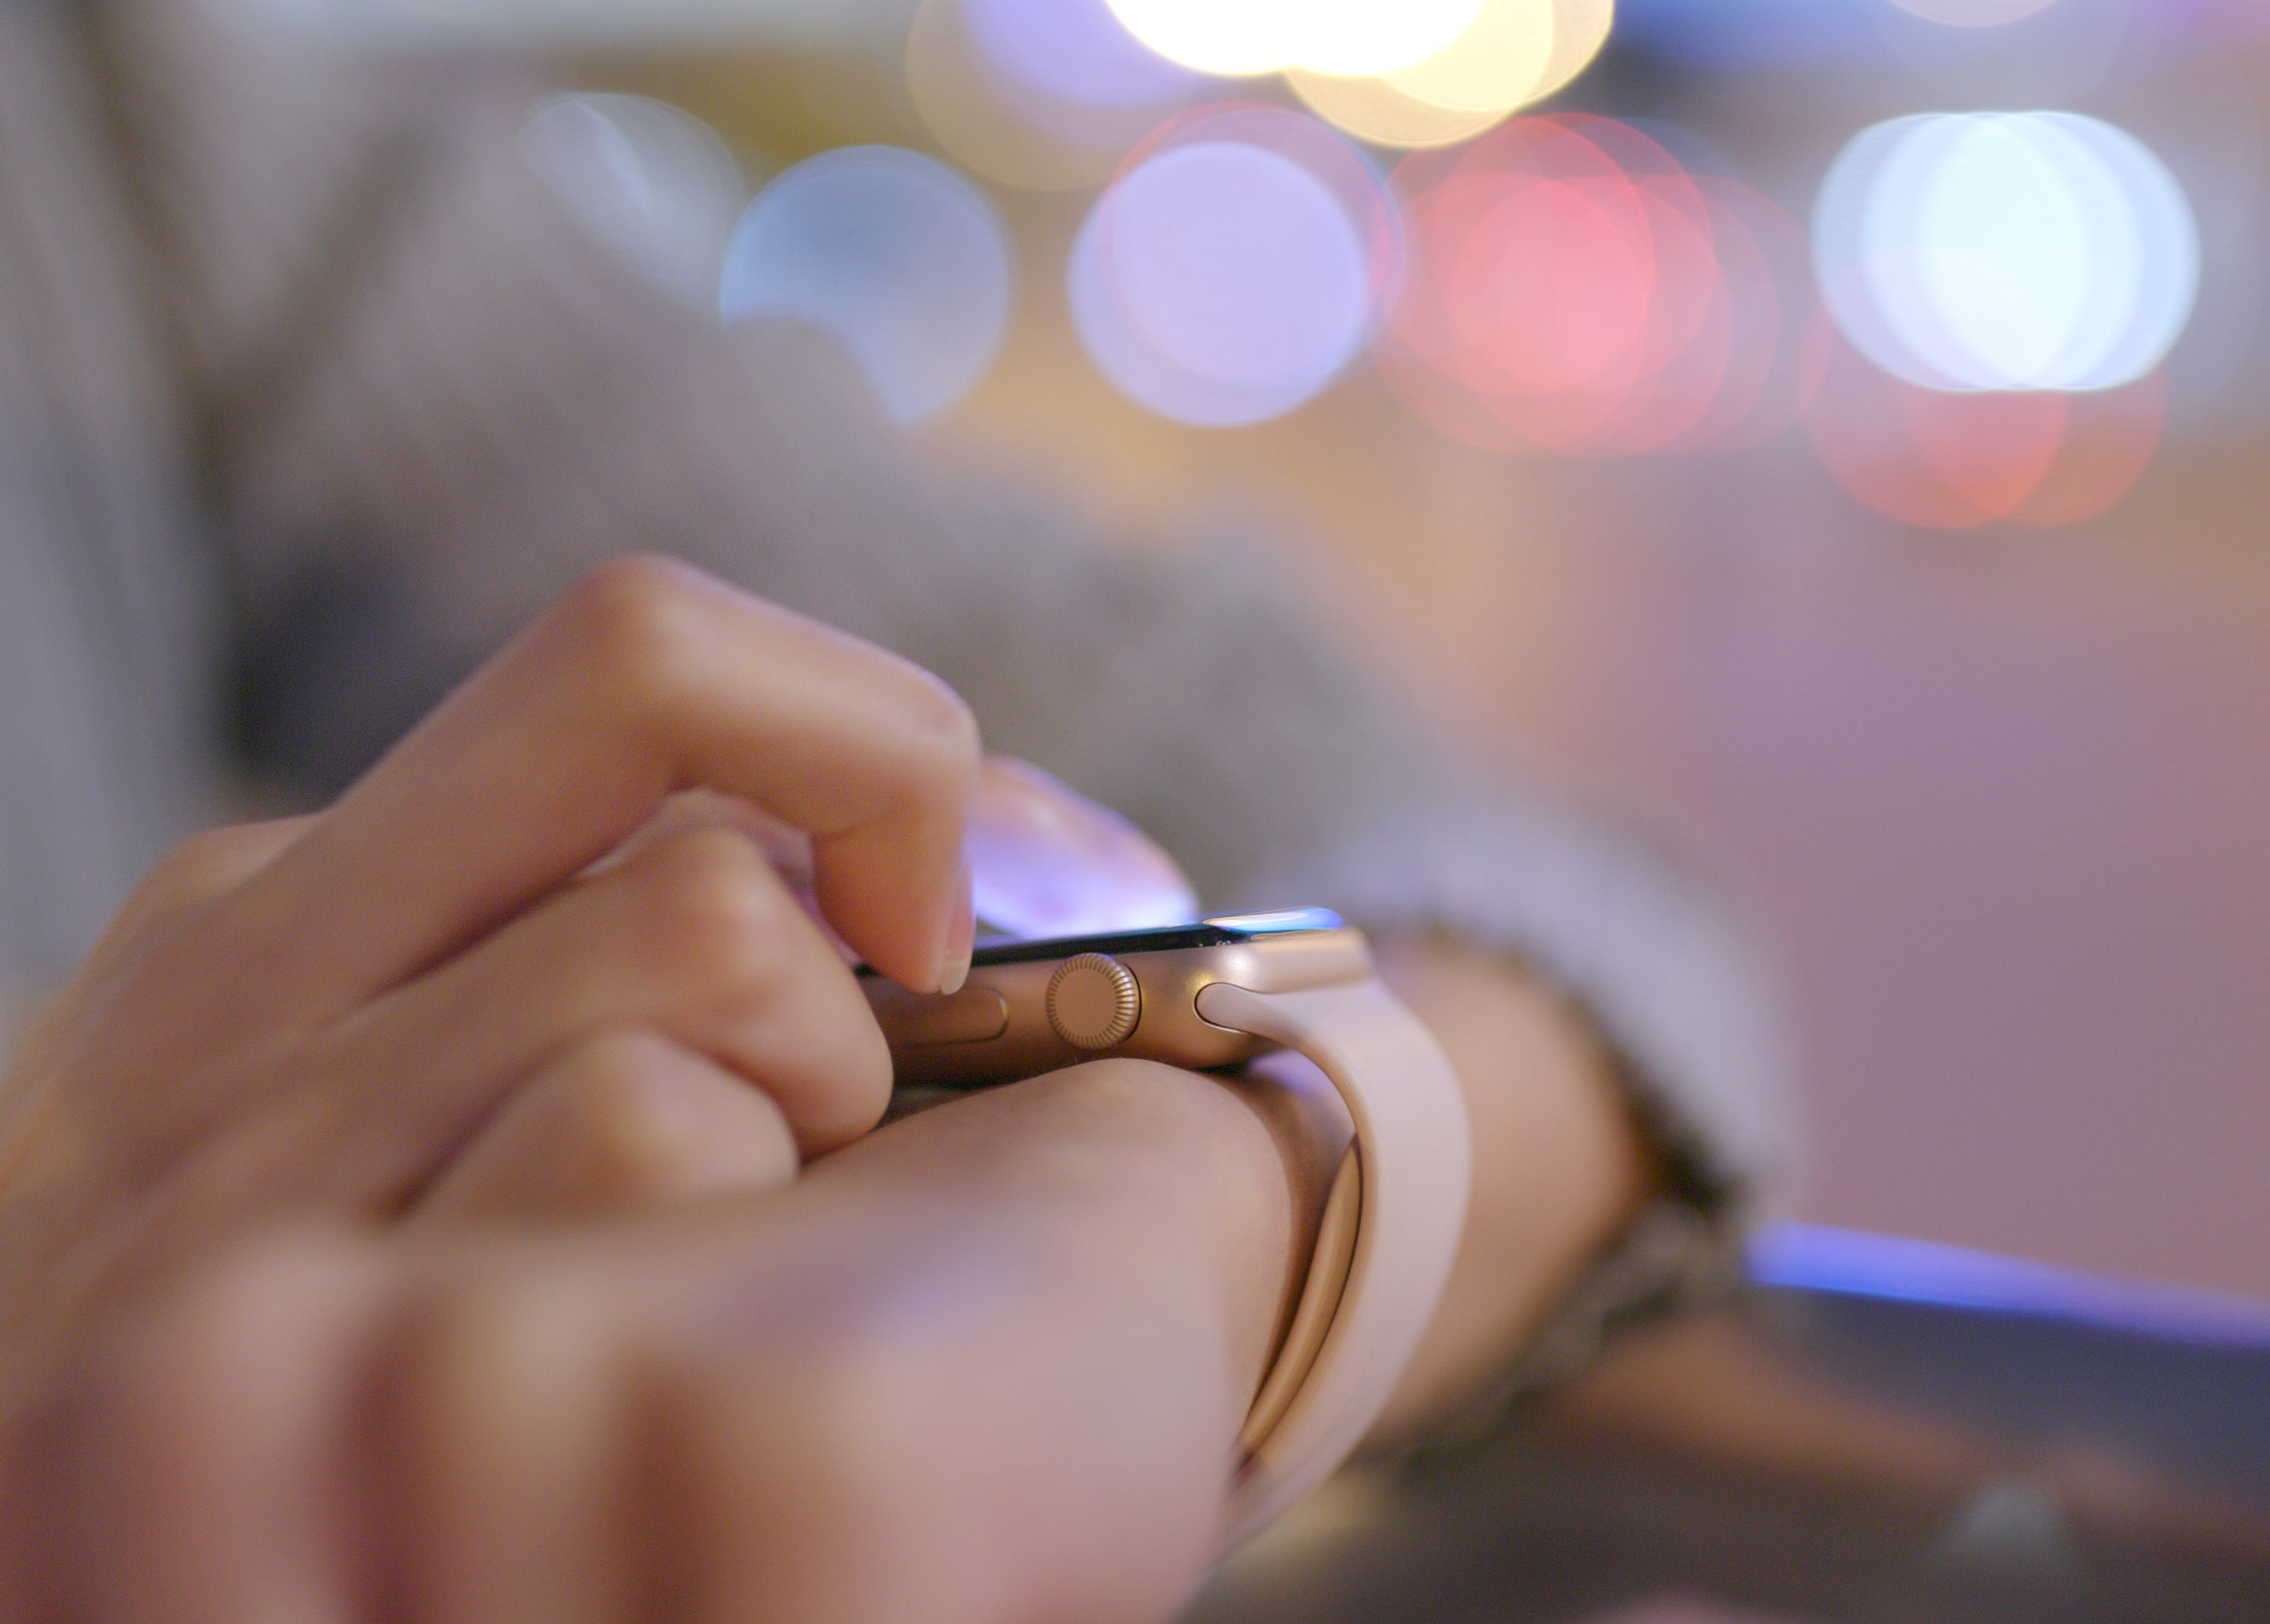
(1216, 994)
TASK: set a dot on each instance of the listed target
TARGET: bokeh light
(1235, 268)
(1242, 38)
(1773, 367)
(1948, 461)
(1498, 62)
(1513, 53)
(654, 184)
(1574, 289)
(1073, 50)
(2007, 251)
(1044, 96)
(893, 253)
(1374, 110)
(1974, 13)
(2002, 52)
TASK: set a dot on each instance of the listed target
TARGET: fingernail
(960, 935)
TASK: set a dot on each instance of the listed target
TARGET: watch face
(1225, 931)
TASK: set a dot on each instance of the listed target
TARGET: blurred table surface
(1811, 1457)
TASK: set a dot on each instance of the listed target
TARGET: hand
(984, 1365)
(317, 1016)
(190, 1372)
(194, 1087)
(625, 1130)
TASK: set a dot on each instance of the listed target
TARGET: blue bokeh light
(897, 255)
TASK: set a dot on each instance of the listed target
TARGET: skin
(462, 1204)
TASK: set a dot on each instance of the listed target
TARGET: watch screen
(1225, 931)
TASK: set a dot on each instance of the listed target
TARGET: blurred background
(1834, 431)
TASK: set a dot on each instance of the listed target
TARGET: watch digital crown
(1093, 1001)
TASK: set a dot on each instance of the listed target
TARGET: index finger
(649, 677)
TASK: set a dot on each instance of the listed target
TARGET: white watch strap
(1390, 1232)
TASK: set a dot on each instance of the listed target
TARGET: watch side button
(921, 1020)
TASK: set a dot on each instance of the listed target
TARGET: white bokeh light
(1240, 37)
(2007, 251)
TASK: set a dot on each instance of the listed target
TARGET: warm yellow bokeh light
(1496, 64)
(1375, 110)
(1515, 52)
(1240, 37)
(1580, 28)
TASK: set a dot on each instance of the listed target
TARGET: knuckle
(607, 1070)
(227, 1306)
(199, 869)
(222, 1352)
(649, 1120)
(616, 1105)
(632, 623)
(478, 1345)
(188, 863)
(716, 912)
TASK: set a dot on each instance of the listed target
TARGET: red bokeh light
(2110, 437)
(1573, 289)
(1533, 323)
(1943, 460)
